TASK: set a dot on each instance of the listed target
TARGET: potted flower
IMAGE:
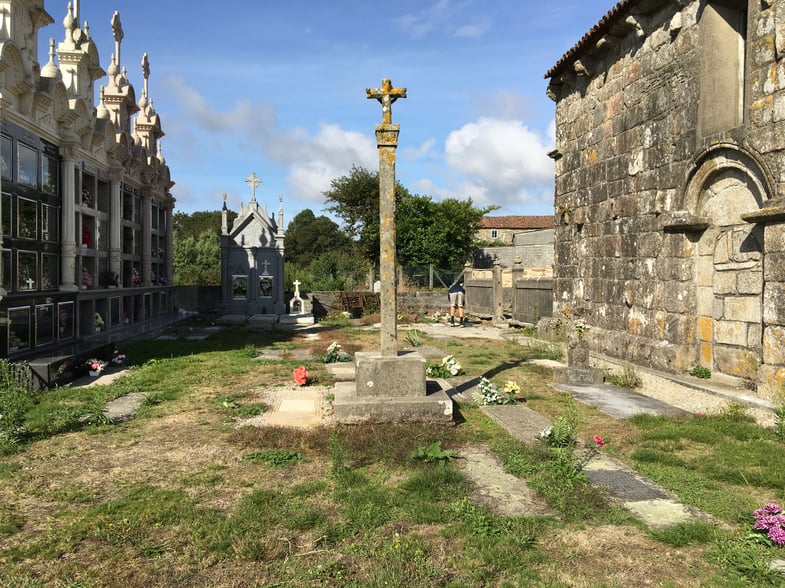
(87, 280)
(136, 278)
(118, 358)
(99, 322)
(95, 366)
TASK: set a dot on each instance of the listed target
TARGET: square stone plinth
(380, 376)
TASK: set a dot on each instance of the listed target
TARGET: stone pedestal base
(577, 376)
(303, 318)
(349, 408)
(263, 321)
(389, 390)
(377, 375)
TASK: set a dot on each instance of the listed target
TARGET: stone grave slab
(623, 485)
(620, 403)
(518, 420)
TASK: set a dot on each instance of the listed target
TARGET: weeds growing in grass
(357, 510)
(628, 378)
(275, 458)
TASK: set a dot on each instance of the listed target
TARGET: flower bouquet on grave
(301, 376)
(99, 322)
(136, 278)
(95, 366)
(87, 280)
(118, 358)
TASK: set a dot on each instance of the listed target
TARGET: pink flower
(598, 441)
(777, 535)
(301, 376)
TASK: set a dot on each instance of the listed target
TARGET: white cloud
(311, 160)
(502, 160)
(444, 16)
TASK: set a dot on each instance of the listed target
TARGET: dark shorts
(456, 299)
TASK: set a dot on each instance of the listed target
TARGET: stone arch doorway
(728, 262)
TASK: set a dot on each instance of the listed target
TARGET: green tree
(196, 223)
(308, 237)
(197, 260)
(355, 200)
(441, 233)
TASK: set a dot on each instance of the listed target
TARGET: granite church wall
(655, 178)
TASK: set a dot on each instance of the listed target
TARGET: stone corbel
(772, 211)
(580, 68)
(682, 221)
(636, 24)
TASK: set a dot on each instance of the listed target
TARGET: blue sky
(278, 88)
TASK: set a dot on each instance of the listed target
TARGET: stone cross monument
(387, 142)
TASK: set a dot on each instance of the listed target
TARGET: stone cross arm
(386, 95)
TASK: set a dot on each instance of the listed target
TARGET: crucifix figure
(386, 95)
(253, 180)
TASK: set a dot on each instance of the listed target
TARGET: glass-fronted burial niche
(266, 286)
(239, 286)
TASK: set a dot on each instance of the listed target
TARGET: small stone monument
(296, 303)
(297, 313)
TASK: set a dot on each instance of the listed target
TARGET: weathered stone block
(379, 375)
(774, 345)
(705, 269)
(743, 308)
(724, 282)
(705, 328)
(736, 362)
(774, 267)
(706, 351)
(749, 282)
(704, 301)
(731, 333)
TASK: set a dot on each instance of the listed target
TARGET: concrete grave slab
(518, 420)
(618, 402)
(624, 485)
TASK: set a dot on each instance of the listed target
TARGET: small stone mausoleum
(670, 170)
(252, 260)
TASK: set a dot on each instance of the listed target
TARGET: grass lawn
(183, 496)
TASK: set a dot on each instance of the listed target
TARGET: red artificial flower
(598, 441)
(300, 376)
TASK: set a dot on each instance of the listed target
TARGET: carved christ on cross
(253, 180)
(386, 95)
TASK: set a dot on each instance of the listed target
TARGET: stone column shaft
(387, 142)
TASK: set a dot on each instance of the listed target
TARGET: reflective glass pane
(49, 175)
(18, 328)
(6, 157)
(28, 165)
(49, 271)
(27, 226)
(65, 320)
(27, 270)
(44, 324)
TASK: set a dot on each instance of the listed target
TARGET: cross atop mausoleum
(386, 95)
(253, 180)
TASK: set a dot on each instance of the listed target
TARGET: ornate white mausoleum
(86, 207)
